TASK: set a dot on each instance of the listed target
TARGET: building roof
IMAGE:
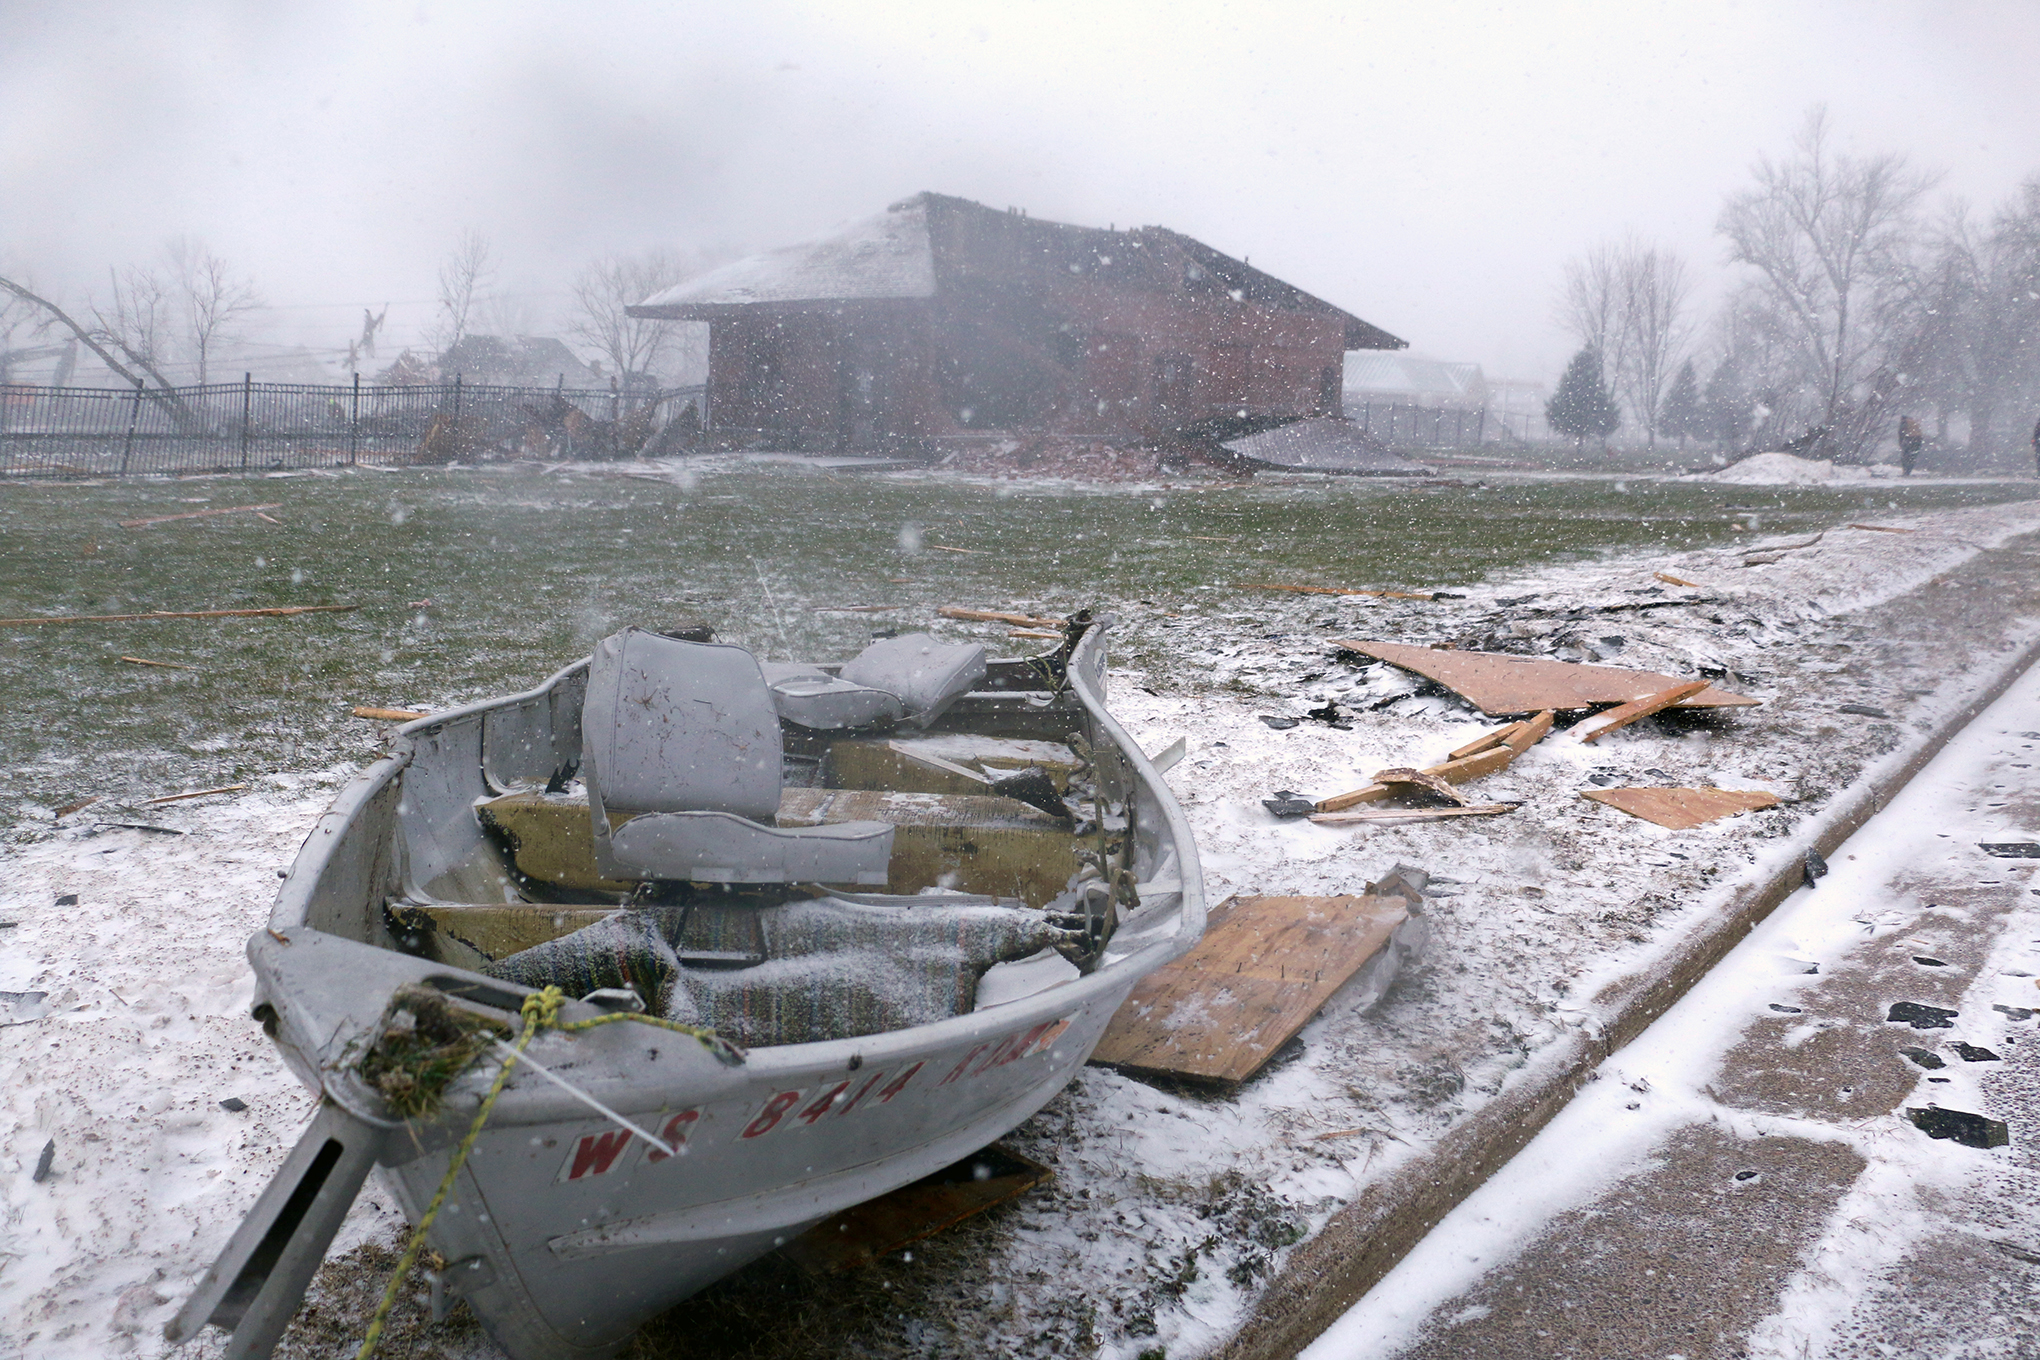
(886, 256)
(517, 361)
(1323, 444)
(1408, 375)
(933, 243)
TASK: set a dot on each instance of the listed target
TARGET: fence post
(127, 449)
(354, 422)
(456, 407)
(247, 405)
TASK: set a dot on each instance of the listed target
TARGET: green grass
(525, 570)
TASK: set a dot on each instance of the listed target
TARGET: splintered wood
(1500, 684)
(1601, 724)
(388, 714)
(1682, 809)
(1265, 966)
(950, 611)
(1483, 755)
(903, 1217)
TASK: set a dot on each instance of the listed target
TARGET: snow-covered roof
(1323, 444)
(885, 256)
(1385, 372)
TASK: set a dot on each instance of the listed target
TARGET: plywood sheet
(1497, 684)
(1263, 969)
(881, 1226)
(1682, 809)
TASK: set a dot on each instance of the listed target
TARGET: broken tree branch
(170, 665)
(950, 611)
(1340, 590)
(185, 614)
(201, 514)
(200, 793)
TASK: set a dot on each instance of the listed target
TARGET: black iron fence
(253, 427)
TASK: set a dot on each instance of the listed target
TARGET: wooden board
(1264, 967)
(1682, 809)
(878, 1227)
(1499, 684)
(1601, 724)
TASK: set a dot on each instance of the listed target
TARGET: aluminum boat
(870, 917)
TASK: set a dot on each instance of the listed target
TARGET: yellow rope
(541, 1012)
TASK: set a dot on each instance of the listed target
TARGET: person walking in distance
(1910, 439)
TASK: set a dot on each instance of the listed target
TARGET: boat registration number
(611, 1149)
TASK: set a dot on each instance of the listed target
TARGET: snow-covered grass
(1171, 1207)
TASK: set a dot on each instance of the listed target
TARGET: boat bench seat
(974, 843)
(911, 679)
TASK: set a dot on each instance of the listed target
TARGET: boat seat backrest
(681, 754)
(928, 676)
(673, 726)
(810, 697)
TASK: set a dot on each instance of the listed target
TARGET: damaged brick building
(941, 319)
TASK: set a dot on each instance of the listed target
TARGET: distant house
(1405, 379)
(941, 319)
(517, 361)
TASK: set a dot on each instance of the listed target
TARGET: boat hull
(565, 1231)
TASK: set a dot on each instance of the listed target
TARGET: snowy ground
(1913, 910)
(1171, 1207)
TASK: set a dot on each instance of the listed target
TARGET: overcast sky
(1428, 166)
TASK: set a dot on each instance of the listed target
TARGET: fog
(1428, 167)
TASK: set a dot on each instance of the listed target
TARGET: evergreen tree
(1583, 407)
(1725, 416)
(1682, 415)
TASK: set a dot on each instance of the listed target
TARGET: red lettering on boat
(769, 1117)
(595, 1153)
(1009, 1044)
(898, 1084)
(960, 1068)
(876, 1077)
(1055, 1032)
(822, 1103)
(1024, 1047)
(674, 1134)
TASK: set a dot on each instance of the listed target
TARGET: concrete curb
(1327, 1275)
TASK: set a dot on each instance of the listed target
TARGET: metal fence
(252, 427)
(1406, 425)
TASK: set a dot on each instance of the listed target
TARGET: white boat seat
(928, 676)
(684, 737)
(809, 696)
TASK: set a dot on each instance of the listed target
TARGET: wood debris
(79, 806)
(856, 608)
(943, 547)
(389, 714)
(168, 665)
(1500, 684)
(950, 611)
(200, 793)
(277, 613)
(1682, 809)
(201, 514)
(1767, 556)
(1490, 753)
(1883, 529)
(1672, 580)
(1601, 724)
(1341, 590)
(1034, 633)
(1264, 967)
(1396, 816)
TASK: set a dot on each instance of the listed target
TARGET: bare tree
(608, 285)
(1590, 303)
(210, 298)
(1824, 230)
(139, 319)
(464, 280)
(1627, 302)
